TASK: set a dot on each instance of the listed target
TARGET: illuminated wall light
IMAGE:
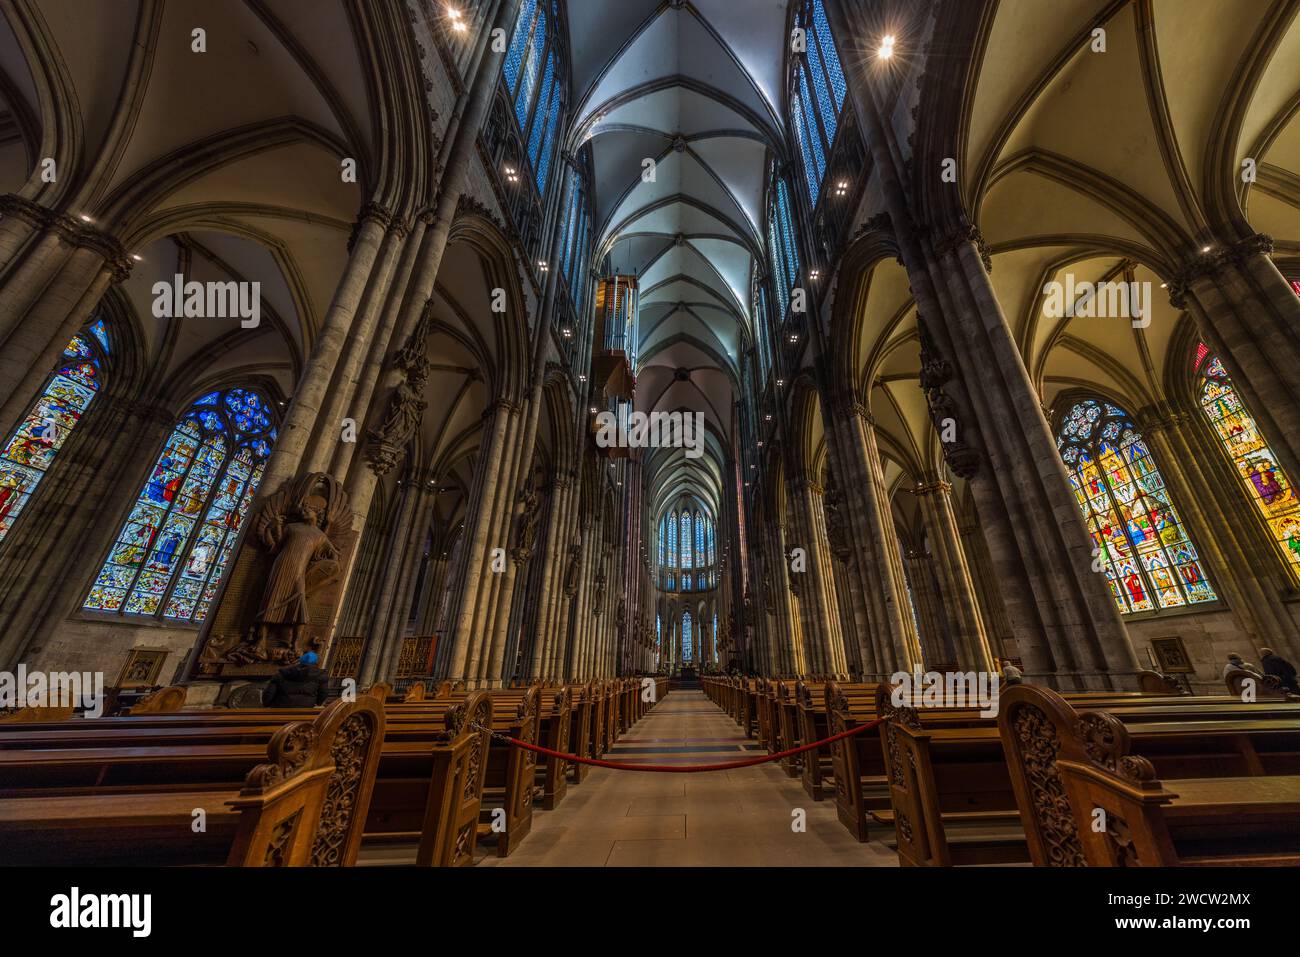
(886, 49)
(85, 219)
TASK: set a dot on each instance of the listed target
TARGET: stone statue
(302, 526)
(571, 573)
(528, 514)
(406, 403)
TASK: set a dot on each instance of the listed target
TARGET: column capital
(1206, 264)
(950, 239)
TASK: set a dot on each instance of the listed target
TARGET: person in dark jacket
(1279, 668)
(298, 686)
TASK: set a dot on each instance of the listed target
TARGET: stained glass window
(715, 637)
(686, 539)
(67, 395)
(662, 543)
(1267, 485)
(171, 552)
(518, 44)
(538, 131)
(686, 636)
(817, 96)
(700, 554)
(532, 69)
(552, 122)
(1148, 557)
(712, 557)
(781, 242)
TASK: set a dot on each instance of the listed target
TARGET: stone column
(310, 392)
(34, 345)
(42, 581)
(936, 647)
(996, 625)
(956, 588)
(474, 556)
(894, 643)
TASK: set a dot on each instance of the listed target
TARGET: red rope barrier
(693, 769)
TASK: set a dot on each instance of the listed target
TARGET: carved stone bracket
(964, 232)
(936, 371)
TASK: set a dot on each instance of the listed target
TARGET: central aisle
(718, 818)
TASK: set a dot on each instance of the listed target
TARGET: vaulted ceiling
(680, 101)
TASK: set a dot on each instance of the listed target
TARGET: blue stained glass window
(778, 266)
(787, 234)
(170, 555)
(829, 113)
(528, 82)
(686, 539)
(518, 44)
(712, 559)
(700, 554)
(715, 637)
(672, 540)
(540, 115)
(809, 130)
(805, 150)
(830, 55)
(686, 636)
(30, 451)
(662, 543)
(552, 121)
(570, 226)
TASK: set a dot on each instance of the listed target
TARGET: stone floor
(738, 818)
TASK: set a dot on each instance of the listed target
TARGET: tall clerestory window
(781, 245)
(686, 543)
(68, 393)
(701, 555)
(533, 76)
(817, 91)
(1262, 477)
(576, 242)
(686, 636)
(672, 551)
(169, 557)
(1149, 559)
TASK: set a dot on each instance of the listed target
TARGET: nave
(735, 818)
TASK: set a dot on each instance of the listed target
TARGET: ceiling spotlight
(137, 257)
(582, 378)
(593, 411)
(886, 49)
(794, 337)
(1205, 249)
(541, 264)
(780, 383)
(566, 332)
(767, 418)
(760, 443)
(815, 274)
(85, 219)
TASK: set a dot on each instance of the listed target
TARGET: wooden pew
(427, 786)
(1070, 765)
(951, 789)
(303, 806)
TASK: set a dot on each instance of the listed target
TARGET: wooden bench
(427, 786)
(952, 794)
(1068, 766)
(303, 805)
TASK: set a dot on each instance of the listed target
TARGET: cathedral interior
(497, 343)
